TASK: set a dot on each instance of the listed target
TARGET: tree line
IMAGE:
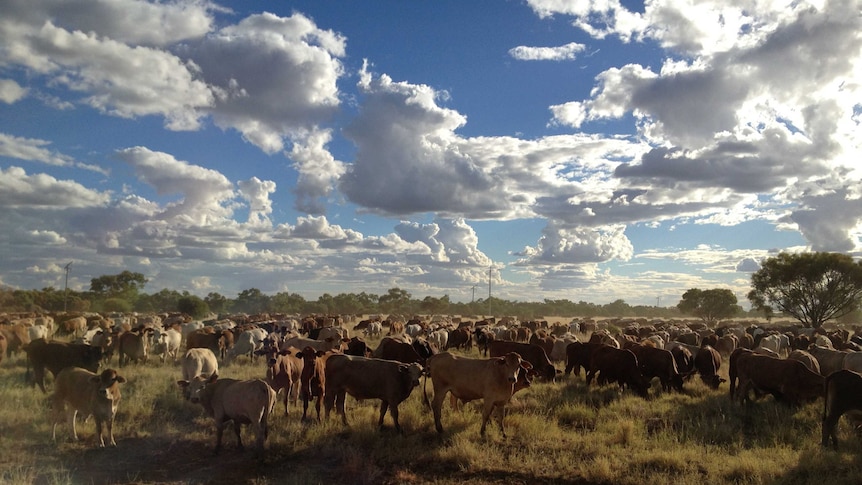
(812, 288)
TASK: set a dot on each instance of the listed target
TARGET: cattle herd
(320, 360)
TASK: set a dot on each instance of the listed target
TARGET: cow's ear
(320, 353)
(212, 378)
(526, 365)
(183, 384)
(120, 379)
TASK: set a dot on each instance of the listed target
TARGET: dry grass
(559, 433)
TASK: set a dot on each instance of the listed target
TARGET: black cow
(56, 356)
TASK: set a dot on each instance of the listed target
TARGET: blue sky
(583, 150)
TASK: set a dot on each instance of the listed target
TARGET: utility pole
(474, 294)
(66, 286)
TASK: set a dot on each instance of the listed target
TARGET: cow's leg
(99, 435)
(328, 401)
(59, 411)
(340, 397)
(499, 413)
(590, 374)
(830, 428)
(237, 429)
(486, 415)
(384, 405)
(219, 433)
(317, 406)
(437, 406)
(72, 415)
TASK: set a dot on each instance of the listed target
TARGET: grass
(559, 433)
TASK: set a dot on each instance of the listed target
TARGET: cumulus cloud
(318, 171)
(566, 52)
(560, 244)
(17, 189)
(10, 91)
(299, 90)
(203, 191)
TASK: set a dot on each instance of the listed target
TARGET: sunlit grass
(557, 432)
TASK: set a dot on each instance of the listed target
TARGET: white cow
(246, 344)
(198, 362)
(167, 344)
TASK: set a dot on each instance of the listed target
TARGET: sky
(534, 149)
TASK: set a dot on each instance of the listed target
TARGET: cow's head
(193, 389)
(511, 364)
(411, 372)
(108, 384)
(92, 358)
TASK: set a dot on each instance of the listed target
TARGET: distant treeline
(395, 300)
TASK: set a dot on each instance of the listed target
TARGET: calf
(532, 353)
(491, 380)
(55, 356)
(243, 402)
(843, 394)
(91, 394)
(284, 371)
(364, 378)
(167, 344)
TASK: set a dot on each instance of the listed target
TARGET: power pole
(490, 268)
(66, 286)
(474, 294)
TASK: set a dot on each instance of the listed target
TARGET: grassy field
(559, 433)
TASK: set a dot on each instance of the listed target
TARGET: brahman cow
(283, 372)
(247, 343)
(533, 353)
(843, 394)
(330, 343)
(658, 363)
(788, 381)
(707, 361)
(197, 362)
(468, 379)
(619, 366)
(312, 378)
(134, 345)
(167, 343)
(578, 355)
(407, 353)
(55, 356)
(17, 337)
(830, 360)
(208, 338)
(363, 378)
(90, 394)
(243, 402)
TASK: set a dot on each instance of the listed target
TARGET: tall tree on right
(810, 287)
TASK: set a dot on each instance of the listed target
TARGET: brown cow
(284, 371)
(787, 380)
(658, 363)
(205, 338)
(532, 353)
(17, 337)
(312, 378)
(406, 353)
(707, 361)
(460, 338)
(620, 366)
(364, 378)
(578, 355)
(91, 394)
(243, 402)
(3, 345)
(55, 356)
(732, 372)
(134, 345)
(330, 343)
(491, 380)
(843, 394)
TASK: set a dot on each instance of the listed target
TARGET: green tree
(284, 302)
(120, 285)
(395, 300)
(217, 302)
(252, 300)
(435, 305)
(193, 305)
(810, 287)
(711, 306)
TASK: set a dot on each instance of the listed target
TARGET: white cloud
(318, 171)
(17, 189)
(10, 91)
(561, 53)
(299, 89)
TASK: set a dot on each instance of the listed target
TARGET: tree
(216, 302)
(193, 305)
(124, 284)
(252, 300)
(711, 306)
(394, 301)
(810, 287)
